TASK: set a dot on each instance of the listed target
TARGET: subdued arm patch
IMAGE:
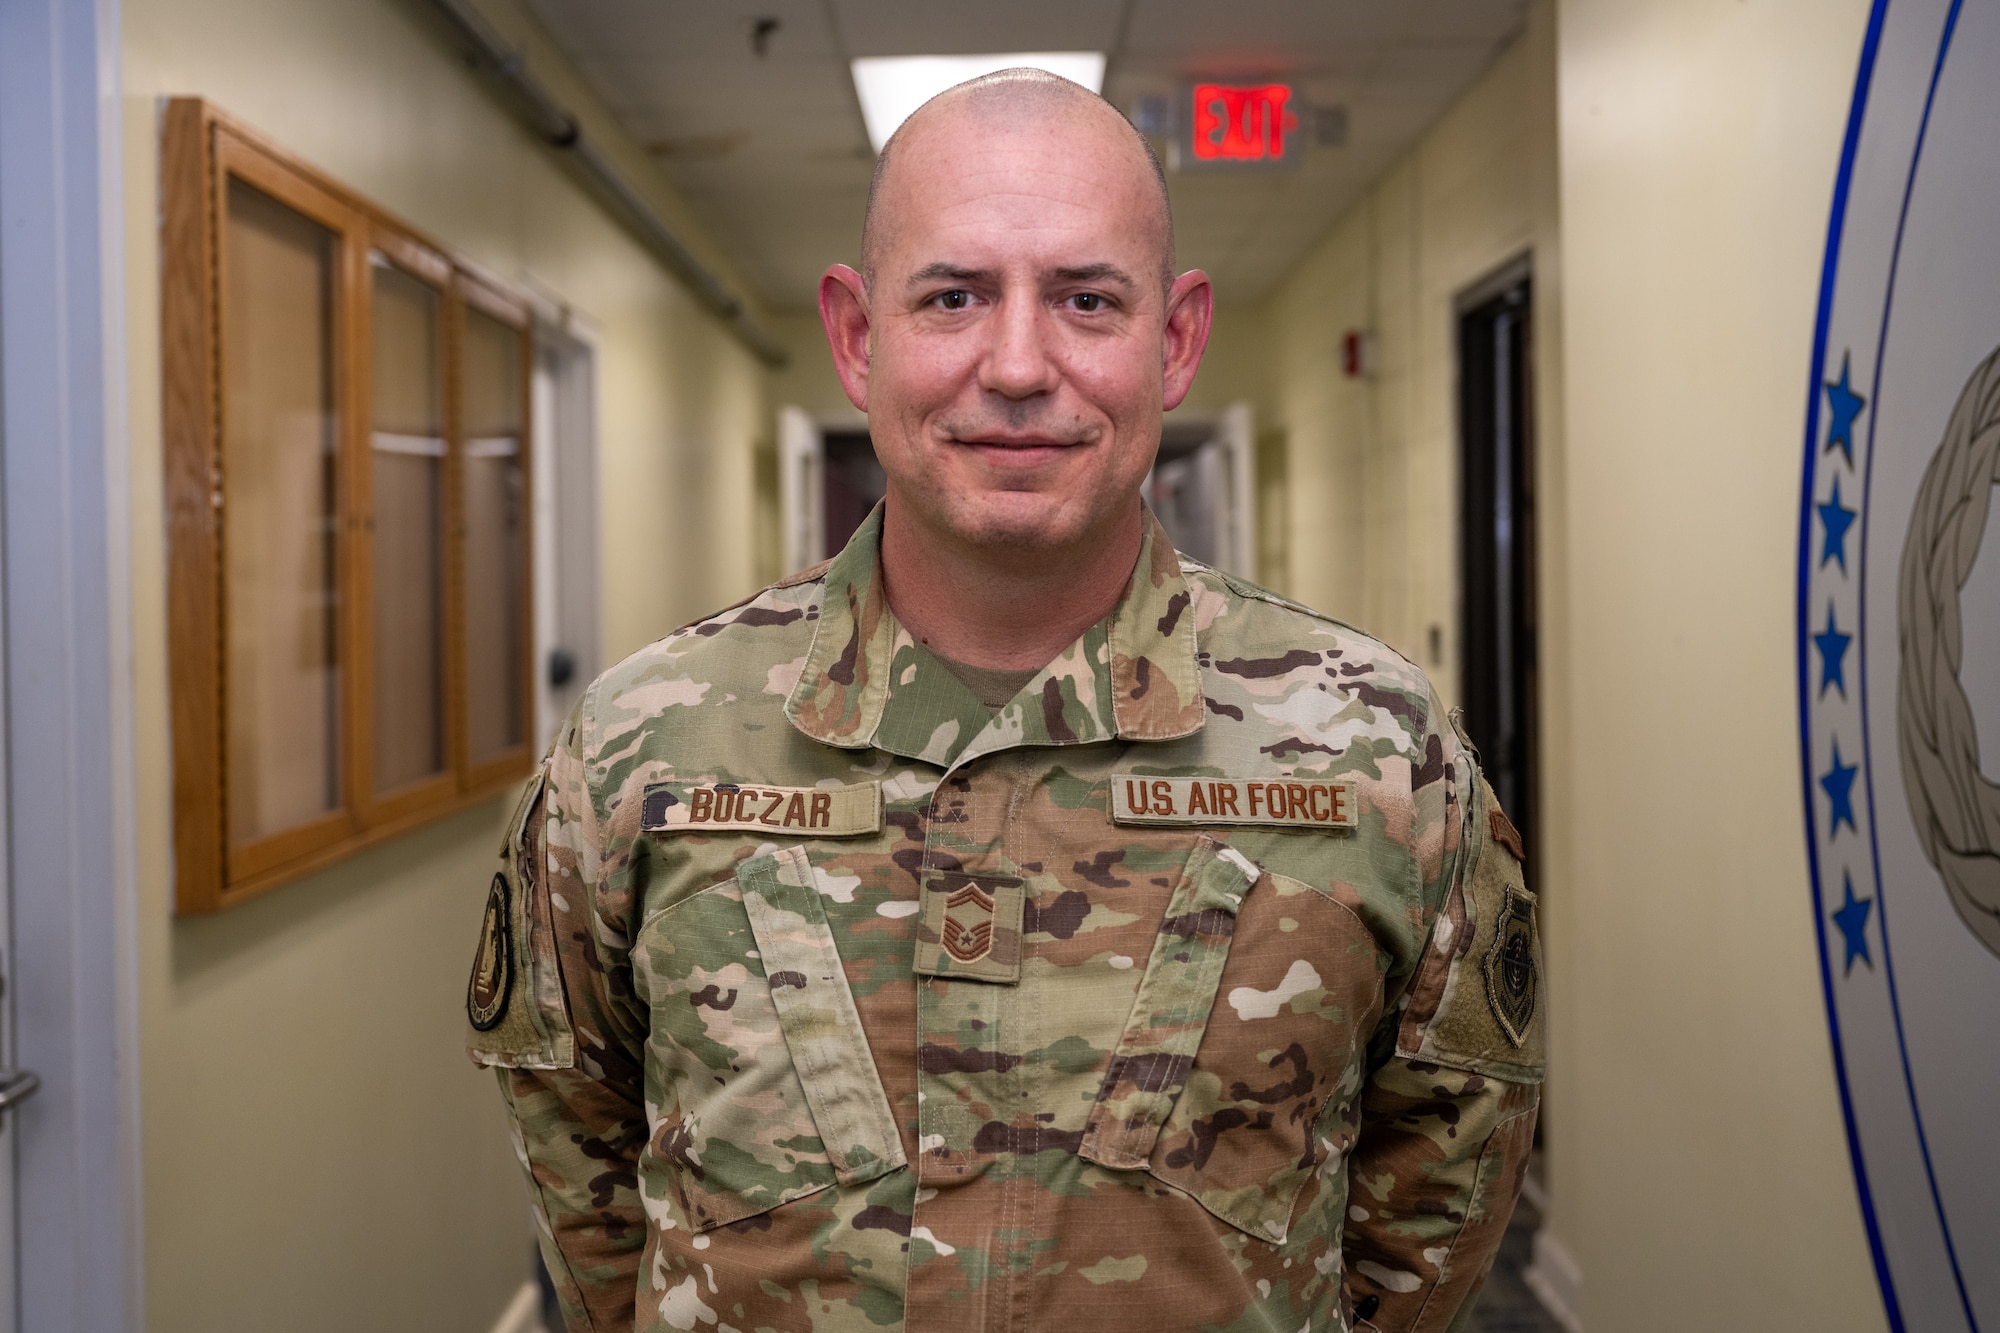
(514, 999)
(486, 992)
(1513, 982)
(1486, 1015)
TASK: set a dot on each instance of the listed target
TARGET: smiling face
(1017, 342)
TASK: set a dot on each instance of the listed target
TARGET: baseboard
(1556, 1280)
(524, 1313)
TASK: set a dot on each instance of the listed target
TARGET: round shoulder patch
(493, 966)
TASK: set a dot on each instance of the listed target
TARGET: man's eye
(954, 300)
(1088, 302)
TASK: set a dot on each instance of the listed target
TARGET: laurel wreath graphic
(1957, 809)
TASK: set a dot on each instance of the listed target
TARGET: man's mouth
(1019, 456)
(1018, 450)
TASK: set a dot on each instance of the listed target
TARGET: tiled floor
(1506, 1305)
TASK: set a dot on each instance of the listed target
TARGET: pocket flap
(1170, 1013)
(816, 1012)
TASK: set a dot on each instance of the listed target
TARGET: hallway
(375, 375)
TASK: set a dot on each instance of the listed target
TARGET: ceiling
(771, 151)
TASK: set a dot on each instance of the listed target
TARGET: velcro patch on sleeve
(1291, 803)
(1483, 967)
(852, 811)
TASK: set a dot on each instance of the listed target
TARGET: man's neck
(1009, 614)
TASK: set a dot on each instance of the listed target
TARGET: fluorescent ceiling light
(891, 87)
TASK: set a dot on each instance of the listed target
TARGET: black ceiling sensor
(760, 35)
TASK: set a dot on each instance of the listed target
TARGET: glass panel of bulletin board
(407, 480)
(280, 538)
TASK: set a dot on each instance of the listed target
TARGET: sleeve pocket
(515, 1003)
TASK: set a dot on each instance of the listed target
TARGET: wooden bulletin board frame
(202, 151)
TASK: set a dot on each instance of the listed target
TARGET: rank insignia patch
(970, 927)
(493, 965)
(1511, 979)
(967, 933)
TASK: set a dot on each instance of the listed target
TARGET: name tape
(1288, 804)
(825, 812)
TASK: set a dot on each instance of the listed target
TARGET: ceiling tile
(771, 153)
(960, 27)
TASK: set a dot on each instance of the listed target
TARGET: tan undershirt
(992, 686)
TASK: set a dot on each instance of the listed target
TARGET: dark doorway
(1497, 681)
(854, 482)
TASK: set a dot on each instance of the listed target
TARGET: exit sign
(1244, 125)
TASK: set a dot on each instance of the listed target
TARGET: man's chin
(1025, 522)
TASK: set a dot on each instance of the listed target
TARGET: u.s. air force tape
(851, 811)
(1302, 803)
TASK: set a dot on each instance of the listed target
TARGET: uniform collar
(867, 682)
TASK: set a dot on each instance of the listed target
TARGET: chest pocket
(1239, 1071)
(760, 1083)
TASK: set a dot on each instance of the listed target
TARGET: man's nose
(1020, 362)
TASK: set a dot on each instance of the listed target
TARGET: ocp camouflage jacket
(1194, 989)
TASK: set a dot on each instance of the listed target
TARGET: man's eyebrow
(1098, 272)
(944, 272)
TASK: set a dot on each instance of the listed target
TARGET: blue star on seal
(1845, 405)
(1852, 918)
(1832, 654)
(1838, 784)
(1837, 518)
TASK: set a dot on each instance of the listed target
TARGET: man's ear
(843, 309)
(1190, 311)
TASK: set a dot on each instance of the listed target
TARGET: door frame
(1517, 272)
(568, 561)
(68, 667)
(802, 484)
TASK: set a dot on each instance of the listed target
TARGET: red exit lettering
(1241, 124)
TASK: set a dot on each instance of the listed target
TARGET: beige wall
(808, 380)
(1372, 462)
(318, 1153)
(1703, 1174)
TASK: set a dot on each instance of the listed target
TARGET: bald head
(1013, 99)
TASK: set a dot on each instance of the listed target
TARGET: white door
(1203, 487)
(69, 1158)
(567, 632)
(1236, 447)
(801, 488)
(16, 1086)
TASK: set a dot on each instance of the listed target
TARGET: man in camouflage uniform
(1012, 924)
